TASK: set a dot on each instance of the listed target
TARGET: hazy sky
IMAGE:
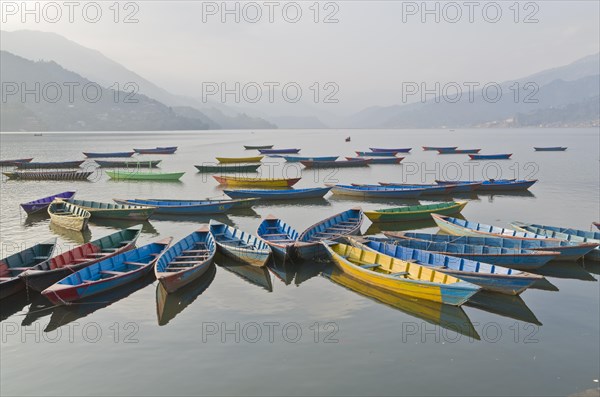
(368, 53)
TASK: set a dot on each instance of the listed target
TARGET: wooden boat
(597, 224)
(563, 233)
(46, 273)
(502, 156)
(229, 160)
(276, 194)
(375, 191)
(240, 245)
(278, 151)
(257, 147)
(335, 164)
(458, 227)
(67, 215)
(13, 265)
(399, 150)
(157, 150)
(231, 168)
(457, 151)
(550, 149)
(107, 274)
(128, 164)
(49, 175)
(14, 163)
(397, 276)
(278, 235)
(186, 260)
(415, 212)
(428, 189)
(450, 189)
(138, 175)
(55, 164)
(435, 148)
(473, 248)
(495, 185)
(334, 228)
(375, 154)
(42, 204)
(268, 182)
(488, 276)
(377, 160)
(185, 207)
(109, 154)
(296, 159)
(114, 211)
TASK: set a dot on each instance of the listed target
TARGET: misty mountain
(96, 67)
(563, 87)
(216, 117)
(43, 96)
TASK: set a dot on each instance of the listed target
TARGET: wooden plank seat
(189, 263)
(111, 272)
(289, 240)
(370, 265)
(88, 281)
(274, 234)
(98, 254)
(135, 264)
(18, 269)
(81, 260)
(194, 258)
(194, 251)
(399, 274)
(343, 229)
(40, 258)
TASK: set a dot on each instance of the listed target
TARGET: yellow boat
(264, 182)
(397, 276)
(67, 215)
(255, 159)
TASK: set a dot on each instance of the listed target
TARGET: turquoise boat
(280, 236)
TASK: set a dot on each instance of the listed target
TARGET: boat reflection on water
(259, 276)
(119, 224)
(72, 236)
(562, 269)
(63, 315)
(36, 218)
(592, 267)
(490, 196)
(452, 318)
(380, 227)
(195, 219)
(168, 306)
(510, 306)
(308, 270)
(39, 307)
(296, 272)
(280, 204)
(13, 304)
(284, 271)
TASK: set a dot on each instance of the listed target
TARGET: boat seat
(274, 234)
(398, 274)
(189, 263)
(193, 251)
(195, 258)
(81, 260)
(111, 272)
(40, 258)
(98, 254)
(88, 281)
(289, 240)
(369, 265)
(18, 269)
(135, 264)
(110, 249)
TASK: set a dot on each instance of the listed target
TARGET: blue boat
(239, 245)
(502, 156)
(347, 223)
(396, 150)
(106, 275)
(43, 203)
(278, 151)
(495, 185)
(13, 265)
(275, 194)
(377, 160)
(280, 236)
(375, 154)
(110, 154)
(52, 164)
(186, 207)
(471, 248)
(460, 227)
(186, 260)
(434, 148)
(563, 233)
(457, 188)
(487, 276)
(374, 191)
(296, 159)
(550, 149)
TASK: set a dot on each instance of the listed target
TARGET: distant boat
(397, 150)
(550, 149)
(137, 175)
(433, 148)
(31, 207)
(431, 188)
(377, 160)
(370, 154)
(375, 191)
(157, 150)
(55, 164)
(12, 163)
(114, 211)
(258, 147)
(415, 212)
(456, 151)
(253, 159)
(279, 151)
(335, 164)
(228, 168)
(279, 194)
(49, 175)
(110, 154)
(186, 207)
(128, 164)
(267, 182)
(296, 159)
(494, 185)
(502, 156)
(348, 139)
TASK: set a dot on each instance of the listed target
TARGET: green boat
(415, 212)
(115, 211)
(227, 168)
(138, 175)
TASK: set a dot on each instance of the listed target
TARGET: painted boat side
(108, 154)
(286, 194)
(415, 212)
(43, 203)
(239, 245)
(269, 182)
(334, 164)
(56, 164)
(375, 191)
(502, 156)
(397, 150)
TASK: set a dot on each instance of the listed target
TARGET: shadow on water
(35, 219)
(280, 204)
(295, 271)
(592, 267)
(39, 307)
(119, 224)
(258, 276)
(284, 271)
(309, 269)
(490, 196)
(73, 236)
(504, 305)
(13, 304)
(561, 269)
(168, 306)
(63, 315)
(449, 317)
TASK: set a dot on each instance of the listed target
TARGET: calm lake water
(289, 329)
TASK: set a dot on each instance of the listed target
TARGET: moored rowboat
(399, 150)
(394, 275)
(375, 191)
(278, 151)
(114, 211)
(239, 245)
(13, 265)
(186, 207)
(109, 154)
(550, 149)
(375, 154)
(67, 215)
(268, 182)
(335, 164)
(434, 148)
(43, 203)
(296, 159)
(45, 274)
(502, 156)
(128, 164)
(55, 164)
(457, 151)
(49, 175)
(186, 260)
(107, 274)
(278, 235)
(228, 160)
(13, 163)
(138, 175)
(494, 185)
(227, 168)
(415, 212)
(157, 150)
(251, 147)
(277, 194)
(431, 188)
(377, 160)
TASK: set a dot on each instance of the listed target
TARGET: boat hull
(108, 155)
(43, 203)
(288, 194)
(434, 148)
(335, 164)
(279, 151)
(144, 176)
(378, 160)
(128, 164)
(504, 156)
(233, 181)
(296, 159)
(414, 213)
(550, 149)
(251, 147)
(62, 164)
(239, 160)
(49, 175)
(220, 169)
(383, 192)
(14, 163)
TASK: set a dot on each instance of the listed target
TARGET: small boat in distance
(157, 150)
(278, 151)
(239, 245)
(377, 160)
(109, 154)
(277, 194)
(13, 163)
(227, 168)
(550, 149)
(57, 164)
(227, 160)
(268, 182)
(495, 185)
(114, 211)
(415, 212)
(335, 164)
(31, 207)
(186, 207)
(295, 159)
(49, 175)
(138, 175)
(128, 164)
(457, 151)
(375, 191)
(378, 154)
(348, 139)
(258, 147)
(434, 148)
(396, 150)
(502, 156)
